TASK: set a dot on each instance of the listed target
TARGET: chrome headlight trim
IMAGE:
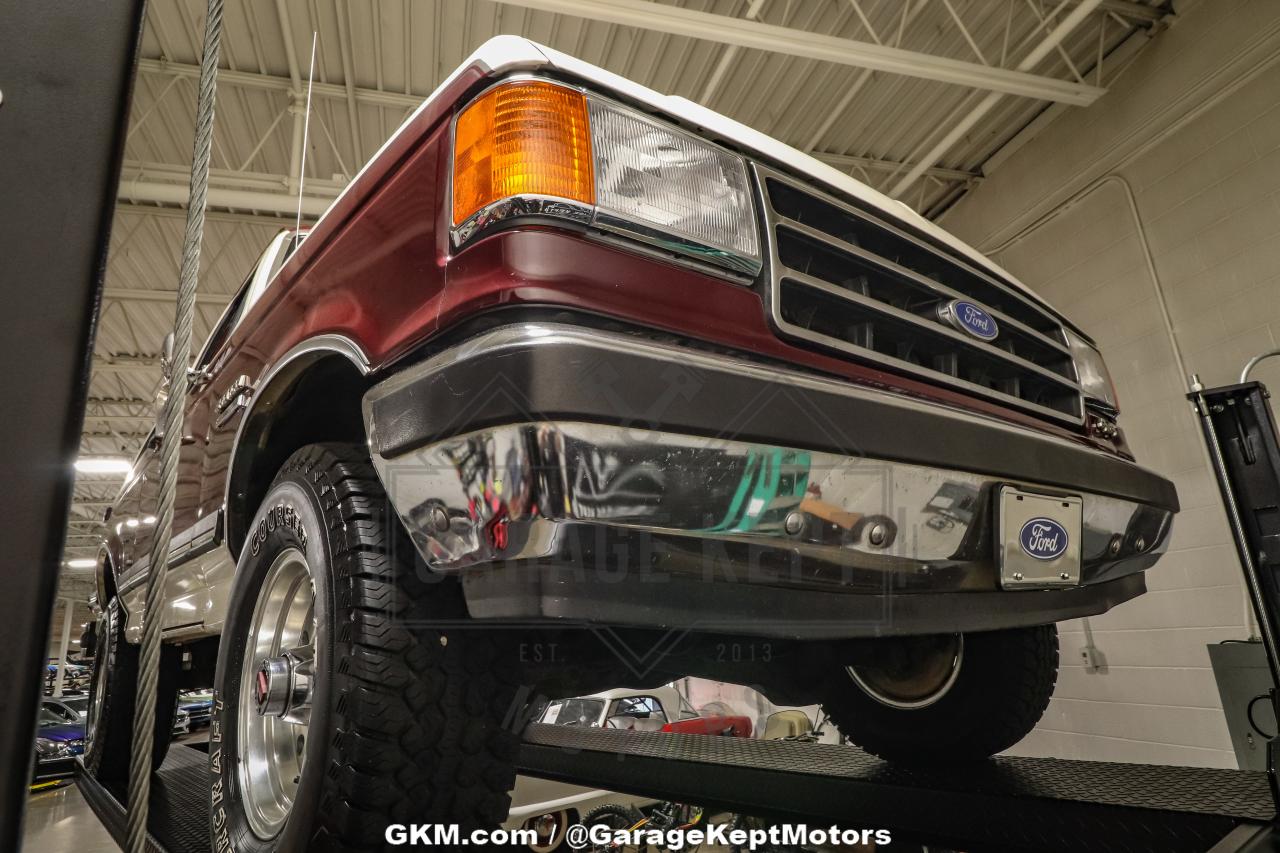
(521, 207)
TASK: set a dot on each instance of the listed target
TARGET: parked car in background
(657, 709)
(551, 807)
(75, 676)
(72, 709)
(58, 742)
(198, 706)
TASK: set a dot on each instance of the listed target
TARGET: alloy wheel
(275, 692)
(918, 678)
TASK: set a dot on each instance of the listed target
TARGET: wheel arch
(105, 578)
(312, 394)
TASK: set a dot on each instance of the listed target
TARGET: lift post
(1240, 432)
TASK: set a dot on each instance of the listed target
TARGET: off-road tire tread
(419, 699)
(994, 705)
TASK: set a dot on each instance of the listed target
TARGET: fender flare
(104, 576)
(272, 384)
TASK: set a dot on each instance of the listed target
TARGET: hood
(62, 732)
(505, 54)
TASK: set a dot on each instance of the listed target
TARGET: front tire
(401, 721)
(947, 699)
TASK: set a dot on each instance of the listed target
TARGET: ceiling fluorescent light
(103, 465)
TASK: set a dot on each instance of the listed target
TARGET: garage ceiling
(918, 98)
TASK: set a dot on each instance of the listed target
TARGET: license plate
(1038, 539)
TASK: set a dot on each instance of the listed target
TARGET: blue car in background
(199, 707)
(75, 676)
(58, 742)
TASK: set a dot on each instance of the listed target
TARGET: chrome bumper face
(597, 495)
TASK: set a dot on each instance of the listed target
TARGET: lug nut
(1017, 576)
(1064, 576)
(1114, 547)
(1141, 544)
(877, 535)
(793, 523)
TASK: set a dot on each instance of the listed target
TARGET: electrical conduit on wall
(1152, 274)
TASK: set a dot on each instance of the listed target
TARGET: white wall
(1193, 130)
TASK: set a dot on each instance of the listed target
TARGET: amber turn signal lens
(526, 137)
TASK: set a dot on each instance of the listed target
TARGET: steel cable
(171, 439)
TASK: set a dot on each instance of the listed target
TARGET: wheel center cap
(282, 686)
(271, 686)
(260, 688)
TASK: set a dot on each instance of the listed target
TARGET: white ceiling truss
(913, 97)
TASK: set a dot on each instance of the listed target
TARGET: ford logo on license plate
(1043, 539)
(970, 319)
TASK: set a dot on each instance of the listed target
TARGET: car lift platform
(1025, 804)
(179, 818)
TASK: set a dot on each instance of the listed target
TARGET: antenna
(306, 130)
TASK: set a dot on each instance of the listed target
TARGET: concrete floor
(60, 821)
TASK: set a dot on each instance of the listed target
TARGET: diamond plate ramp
(1002, 804)
(1022, 804)
(178, 821)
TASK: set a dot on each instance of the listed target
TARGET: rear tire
(112, 694)
(989, 702)
(408, 701)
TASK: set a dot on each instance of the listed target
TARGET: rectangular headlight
(532, 148)
(677, 185)
(1095, 380)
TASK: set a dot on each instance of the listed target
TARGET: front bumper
(199, 719)
(51, 769)
(575, 474)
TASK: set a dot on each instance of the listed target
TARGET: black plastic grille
(847, 280)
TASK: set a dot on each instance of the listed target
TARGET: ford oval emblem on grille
(969, 318)
(1043, 538)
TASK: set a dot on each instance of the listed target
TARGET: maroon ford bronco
(577, 385)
